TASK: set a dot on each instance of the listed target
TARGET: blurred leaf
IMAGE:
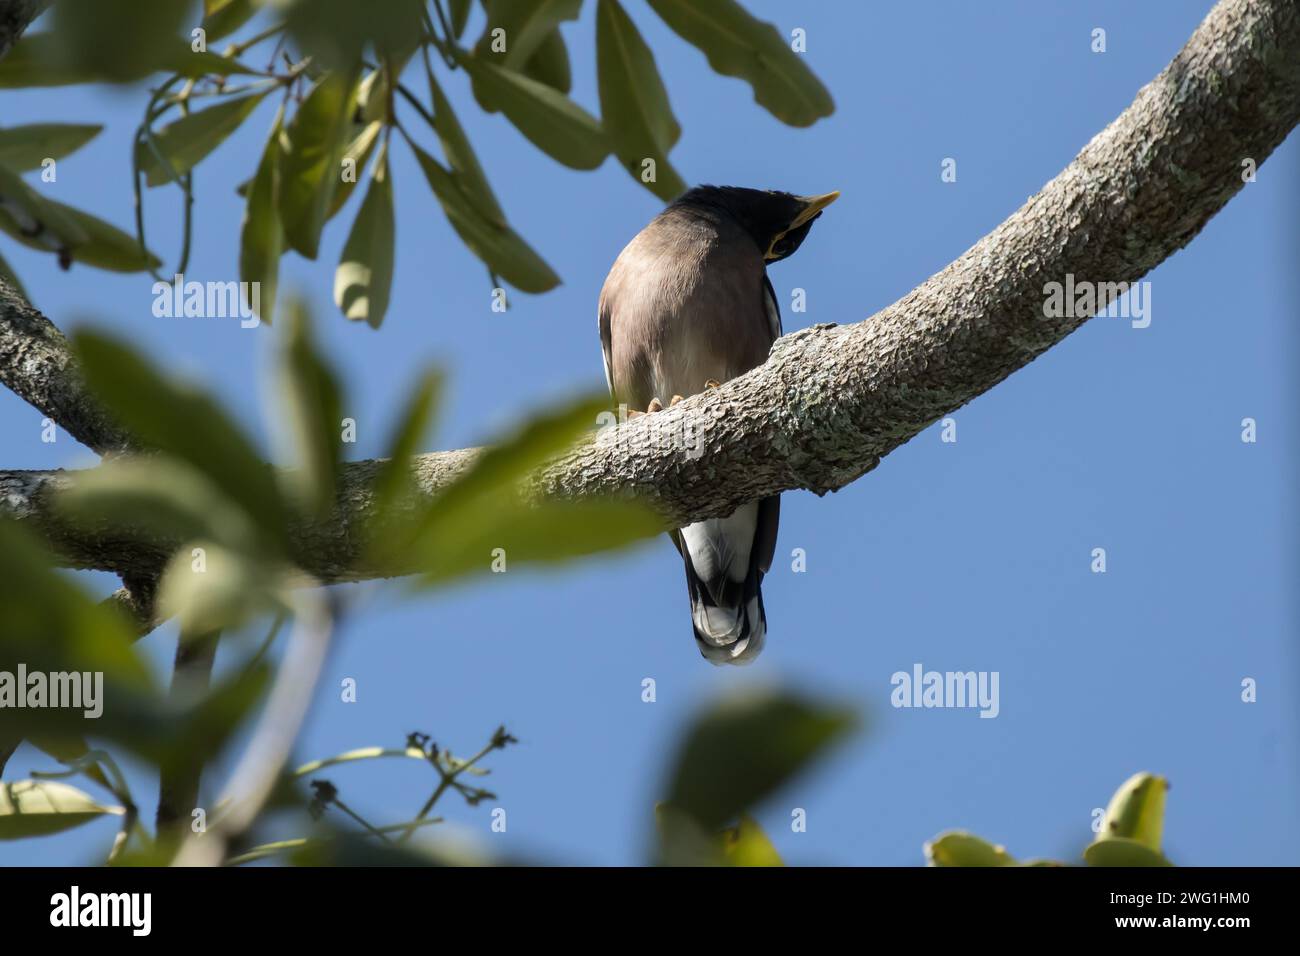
(223, 17)
(7, 273)
(24, 148)
(959, 848)
(313, 405)
(357, 155)
(39, 807)
(395, 478)
(336, 32)
(187, 141)
(737, 44)
(104, 247)
(365, 274)
(745, 747)
(550, 120)
(498, 468)
(1137, 810)
(499, 247)
(456, 147)
(117, 39)
(747, 845)
(261, 236)
(47, 619)
(487, 509)
(310, 167)
(183, 421)
(226, 590)
(683, 842)
(157, 497)
(51, 626)
(38, 59)
(550, 64)
(460, 16)
(633, 102)
(545, 532)
(1119, 851)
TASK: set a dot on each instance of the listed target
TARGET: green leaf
(1137, 811)
(48, 619)
(355, 158)
(186, 142)
(116, 39)
(456, 147)
(106, 246)
(737, 44)
(460, 16)
(69, 749)
(261, 235)
(959, 848)
(683, 842)
(182, 421)
(550, 120)
(504, 252)
(633, 102)
(24, 148)
(336, 32)
(365, 274)
(31, 808)
(223, 17)
(42, 220)
(102, 245)
(310, 165)
(747, 845)
(527, 24)
(39, 60)
(217, 590)
(550, 64)
(747, 746)
(157, 498)
(489, 508)
(314, 409)
(1119, 851)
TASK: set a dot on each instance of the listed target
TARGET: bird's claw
(654, 406)
(676, 399)
(713, 383)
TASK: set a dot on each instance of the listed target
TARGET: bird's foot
(654, 406)
(713, 383)
(676, 399)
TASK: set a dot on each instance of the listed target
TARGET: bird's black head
(777, 221)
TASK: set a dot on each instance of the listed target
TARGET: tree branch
(831, 401)
(15, 17)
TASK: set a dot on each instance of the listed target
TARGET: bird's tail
(725, 560)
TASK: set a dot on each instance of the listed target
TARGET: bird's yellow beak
(814, 205)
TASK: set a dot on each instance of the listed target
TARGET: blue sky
(973, 555)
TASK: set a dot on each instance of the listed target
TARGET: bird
(686, 306)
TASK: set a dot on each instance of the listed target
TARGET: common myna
(687, 306)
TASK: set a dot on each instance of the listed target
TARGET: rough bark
(831, 401)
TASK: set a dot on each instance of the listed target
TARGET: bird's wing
(769, 516)
(605, 344)
(773, 309)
